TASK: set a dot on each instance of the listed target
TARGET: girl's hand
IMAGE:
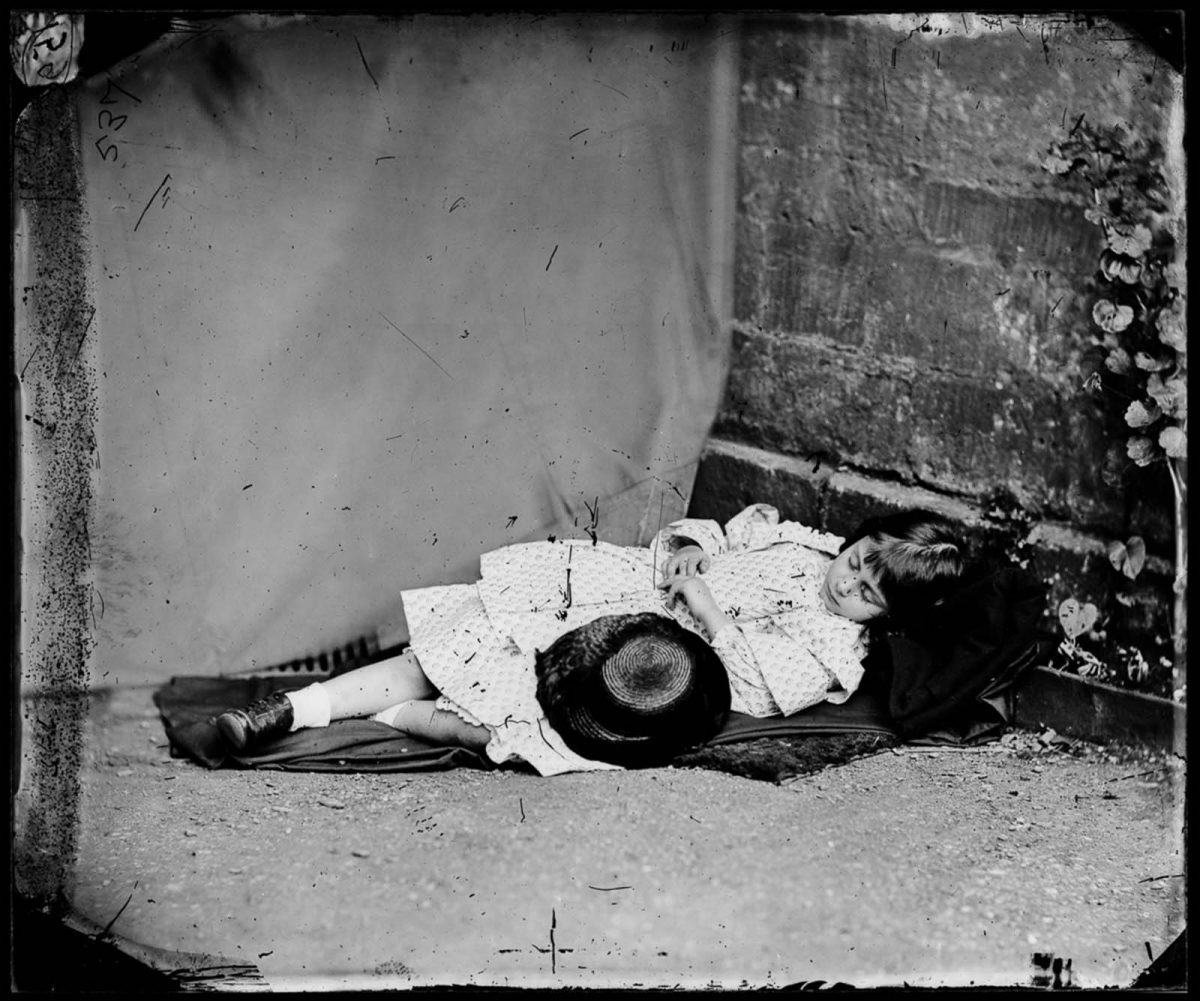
(691, 590)
(687, 562)
(699, 600)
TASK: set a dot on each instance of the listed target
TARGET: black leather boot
(257, 723)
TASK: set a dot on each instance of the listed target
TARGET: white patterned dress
(784, 651)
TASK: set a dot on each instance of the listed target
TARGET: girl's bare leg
(425, 721)
(371, 689)
(361, 692)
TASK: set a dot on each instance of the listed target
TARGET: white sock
(389, 714)
(310, 706)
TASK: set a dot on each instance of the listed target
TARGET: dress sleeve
(844, 660)
(771, 672)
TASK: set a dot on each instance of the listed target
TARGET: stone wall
(911, 288)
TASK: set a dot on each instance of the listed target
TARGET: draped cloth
(366, 296)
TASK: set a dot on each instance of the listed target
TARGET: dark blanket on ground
(758, 748)
(952, 687)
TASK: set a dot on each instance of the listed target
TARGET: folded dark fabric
(952, 675)
(189, 707)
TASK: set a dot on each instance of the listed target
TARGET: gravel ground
(946, 867)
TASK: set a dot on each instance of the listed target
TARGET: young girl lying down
(575, 654)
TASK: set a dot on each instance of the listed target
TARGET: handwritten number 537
(107, 120)
(112, 123)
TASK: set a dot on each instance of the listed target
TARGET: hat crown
(648, 674)
(633, 689)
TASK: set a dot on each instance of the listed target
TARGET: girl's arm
(770, 673)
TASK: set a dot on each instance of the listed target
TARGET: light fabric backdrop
(374, 296)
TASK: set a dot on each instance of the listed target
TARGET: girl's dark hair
(918, 557)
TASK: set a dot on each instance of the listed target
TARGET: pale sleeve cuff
(752, 527)
(704, 532)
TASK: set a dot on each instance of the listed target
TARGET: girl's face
(851, 588)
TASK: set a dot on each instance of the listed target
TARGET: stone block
(851, 498)
(731, 477)
(804, 398)
(1098, 712)
(953, 433)
(973, 435)
(981, 107)
(945, 274)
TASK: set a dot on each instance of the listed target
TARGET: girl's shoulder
(811, 538)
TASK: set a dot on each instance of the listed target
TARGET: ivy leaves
(1171, 324)
(1110, 317)
(1139, 315)
(1138, 415)
(1076, 618)
(1168, 400)
(1128, 242)
(1174, 442)
(1128, 557)
(1118, 268)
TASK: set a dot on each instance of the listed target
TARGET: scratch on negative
(543, 736)
(31, 357)
(552, 253)
(83, 336)
(621, 92)
(108, 927)
(417, 346)
(365, 64)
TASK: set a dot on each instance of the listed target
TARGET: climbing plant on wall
(1138, 323)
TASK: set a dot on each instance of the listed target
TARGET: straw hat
(632, 690)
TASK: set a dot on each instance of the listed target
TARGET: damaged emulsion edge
(55, 320)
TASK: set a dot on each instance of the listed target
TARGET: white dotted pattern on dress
(484, 678)
(537, 591)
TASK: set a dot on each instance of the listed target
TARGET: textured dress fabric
(783, 651)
